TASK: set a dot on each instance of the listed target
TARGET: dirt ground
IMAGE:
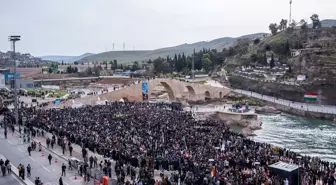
(115, 81)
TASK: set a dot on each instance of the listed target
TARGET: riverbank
(296, 108)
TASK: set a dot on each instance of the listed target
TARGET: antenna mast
(290, 11)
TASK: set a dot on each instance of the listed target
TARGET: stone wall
(326, 91)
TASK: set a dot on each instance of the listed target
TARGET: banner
(144, 90)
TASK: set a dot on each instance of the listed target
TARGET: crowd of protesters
(161, 136)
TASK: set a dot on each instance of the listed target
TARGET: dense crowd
(163, 137)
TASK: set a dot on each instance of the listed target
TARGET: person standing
(63, 169)
(29, 150)
(70, 150)
(23, 172)
(3, 169)
(9, 168)
(28, 170)
(49, 158)
(60, 181)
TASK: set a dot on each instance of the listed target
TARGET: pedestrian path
(77, 153)
(327, 109)
(16, 152)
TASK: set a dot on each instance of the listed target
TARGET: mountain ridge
(66, 59)
(187, 49)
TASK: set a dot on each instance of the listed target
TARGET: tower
(290, 12)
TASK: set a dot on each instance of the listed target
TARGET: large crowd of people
(163, 137)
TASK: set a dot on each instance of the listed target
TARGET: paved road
(10, 180)
(17, 153)
(297, 105)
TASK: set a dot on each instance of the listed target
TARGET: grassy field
(57, 94)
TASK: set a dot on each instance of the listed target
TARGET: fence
(326, 109)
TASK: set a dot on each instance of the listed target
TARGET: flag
(213, 172)
(310, 96)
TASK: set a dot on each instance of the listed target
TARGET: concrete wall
(304, 113)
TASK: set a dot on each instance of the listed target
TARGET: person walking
(49, 158)
(63, 169)
(28, 170)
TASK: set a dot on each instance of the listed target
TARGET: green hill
(187, 49)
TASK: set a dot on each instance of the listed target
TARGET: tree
(50, 70)
(254, 58)
(76, 63)
(135, 66)
(115, 64)
(283, 24)
(316, 21)
(273, 27)
(62, 62)
(256, 41)
(206, 62)
(303, 25)
(272, 62)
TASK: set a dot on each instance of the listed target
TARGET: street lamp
(13, 39)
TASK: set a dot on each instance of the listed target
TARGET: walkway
(328, 109)
(16, 151)
(77, 153)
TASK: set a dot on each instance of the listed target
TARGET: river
(306, 136)
(303, 135)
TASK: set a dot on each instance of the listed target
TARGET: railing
(327, 109)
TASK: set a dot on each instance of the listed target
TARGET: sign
(10, 75)
(144, 89)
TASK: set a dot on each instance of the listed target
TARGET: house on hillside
(295, 52)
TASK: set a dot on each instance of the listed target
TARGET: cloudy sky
(73, 27)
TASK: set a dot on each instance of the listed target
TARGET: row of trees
(274, 27)
(205, 59)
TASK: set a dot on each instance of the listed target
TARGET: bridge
(177, 90)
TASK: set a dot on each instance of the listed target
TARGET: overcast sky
(74, 27)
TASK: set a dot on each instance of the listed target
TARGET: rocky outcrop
(247, 132)
(267, 110)
(326, 90)
(252, 124)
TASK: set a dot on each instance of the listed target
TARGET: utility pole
(290, 12)
(113, 46)
(124, 45)
(193, 67)
(14, 39)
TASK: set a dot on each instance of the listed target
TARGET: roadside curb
(15, 172)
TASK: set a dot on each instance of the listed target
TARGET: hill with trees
(144, 55)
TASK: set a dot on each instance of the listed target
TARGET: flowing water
(306, 136)
(303, 135)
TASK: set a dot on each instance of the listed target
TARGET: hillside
(187, 49)
(66, 59)
(299, 50)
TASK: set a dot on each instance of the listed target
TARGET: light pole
(13, 39)
(290, 11)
